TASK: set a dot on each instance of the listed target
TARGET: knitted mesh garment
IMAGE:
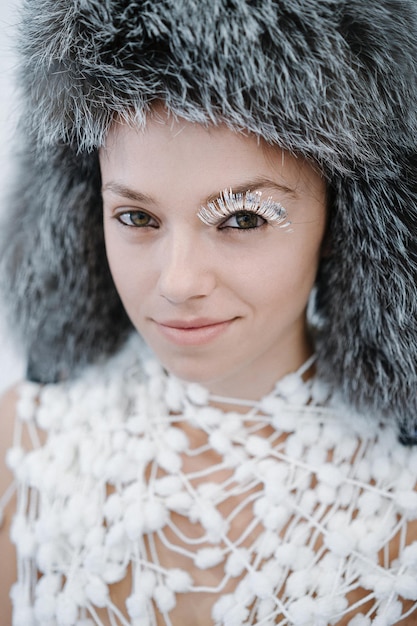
(294, 510)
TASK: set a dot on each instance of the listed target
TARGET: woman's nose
(187, 269)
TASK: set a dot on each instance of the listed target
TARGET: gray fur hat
(332, 80)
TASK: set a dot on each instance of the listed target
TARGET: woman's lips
(193, 332)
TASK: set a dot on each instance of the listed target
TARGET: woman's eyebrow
(126, 192)
(255, 184)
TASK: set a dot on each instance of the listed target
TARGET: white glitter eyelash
(228, 203)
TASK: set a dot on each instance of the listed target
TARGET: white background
(11, 367)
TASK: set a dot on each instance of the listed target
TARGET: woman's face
(222, 304)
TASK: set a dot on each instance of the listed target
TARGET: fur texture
(332, 80)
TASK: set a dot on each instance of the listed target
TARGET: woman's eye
(138, 219)
(244, 220)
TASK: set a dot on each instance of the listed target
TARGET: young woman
(210, 261)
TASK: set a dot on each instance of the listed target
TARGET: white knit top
(132, 458)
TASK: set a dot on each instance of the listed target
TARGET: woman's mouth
(195, 332)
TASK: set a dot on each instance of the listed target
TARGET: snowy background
(11, 368)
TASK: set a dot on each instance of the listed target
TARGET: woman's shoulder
(8, 404)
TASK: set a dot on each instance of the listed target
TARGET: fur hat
(334, 81)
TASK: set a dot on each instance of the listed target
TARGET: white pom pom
(156, 516)
(363, 470)
(233, 423)
(26, 544)
(289, 385)
(94, 559)
(174, 394)
(134, 521)
(169, 460)
(325, 494)
(113, 507)
(144, 450)
(328, 607)
(95, 537)
(309, 433)
(120, 440)
(155, 387)
(178, 580)
(388, 613)
(207, 416)
(48, 527)
(245, 471)
(276, 492)
(258, 446)
(272, 406)
(282, 420)
(24, 616)
(294, 447)
(213, 521)
(29, 390)
(261, 585)
(164, 598)
(315, 456)
(197, 394)
(406, 586)
(48, 585)
(381, 468)
(97, 591)
(406, 480)
(136, 605)
(286, 554)
(45, 607)
(409, 555)
(14, 457)
(276, 518)
(339, 543)
(298, 583)
(237, 615)
(115, 535)
(25, 409)
(266, 608)
(369, 503)
(66, 610)
(346, 448)
(47, 557)
(167, 485)
(220, 442)
(261, 507)
(266, 544)
(146, 583)
(220, 608)
(208, 557)
(113, 573)
(152, 368)
(209, 491)
(136, 424)
(176, 439)
(45, 417)
(237, 562)
(308, 501)
(301, 611)
(407, 500)
(276, 574)
(179, 502)
(117, 468)
(75, 588)
(330, 475)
